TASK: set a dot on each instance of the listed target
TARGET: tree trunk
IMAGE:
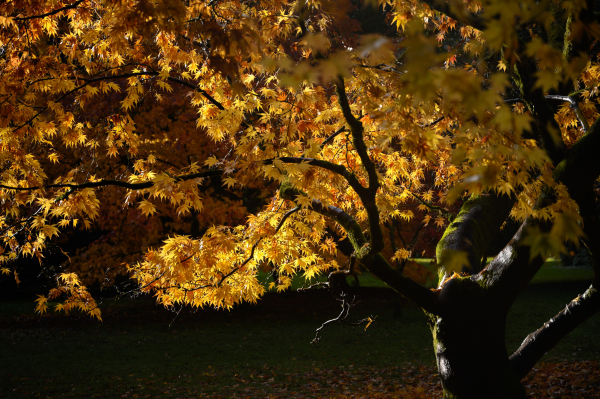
(469, 344)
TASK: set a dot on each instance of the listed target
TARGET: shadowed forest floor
(264, 350)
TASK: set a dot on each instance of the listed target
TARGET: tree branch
(546, 337)
(357, 130)
(121, 76)
(368, 199)
(456, 10)
(333, 136)
(330, 166)
(474, 229)
(56, 11)
(375, 263)
(512, 270)
(435, 122)
(118, 183)
(210, 98)
(442, 211)
(281, 222)
(570, 99)
(546, 127)
(575, 107)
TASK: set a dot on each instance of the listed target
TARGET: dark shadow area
(140, 348)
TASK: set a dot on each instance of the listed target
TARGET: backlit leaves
(196, 113)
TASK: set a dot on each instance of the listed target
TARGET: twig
(435, 122)
(429, 205)
(235, 269)
(334, 135)
(56, 11)
(571, 100)
(119, 183)
(319, 284)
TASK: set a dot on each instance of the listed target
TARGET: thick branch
(423, 297)
(546, 337)
(474, 229)
(357, 130)
(512, 270)
(581, 168)
(375, 263)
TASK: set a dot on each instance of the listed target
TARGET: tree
(466, 115)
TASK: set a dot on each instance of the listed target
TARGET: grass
(208, 348)
(142, 349)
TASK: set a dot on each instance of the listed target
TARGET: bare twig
(346, 306)
(334, 135)
(573, 102)
(435, 122)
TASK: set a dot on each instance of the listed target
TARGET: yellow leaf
(229, 182)
(303, 201)
(42, 304)
(53, 157)
(211, 161)
(147, 208)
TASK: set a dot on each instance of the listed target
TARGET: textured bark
(577, 171)
(474, 229)
(511, 270)
(549, 335)
(469, 344)
(468, 328)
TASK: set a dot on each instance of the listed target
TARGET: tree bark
(546, 337)
(474, 229)
(469, 344)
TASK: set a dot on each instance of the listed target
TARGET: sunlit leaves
(147, 208)
(565, 228)
(154, 98)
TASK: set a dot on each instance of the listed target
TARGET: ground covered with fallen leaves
(262, 351)
(549, 380)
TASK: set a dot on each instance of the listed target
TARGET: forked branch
(368, 199)
(375, 263)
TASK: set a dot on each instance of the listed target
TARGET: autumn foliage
(209, 140)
